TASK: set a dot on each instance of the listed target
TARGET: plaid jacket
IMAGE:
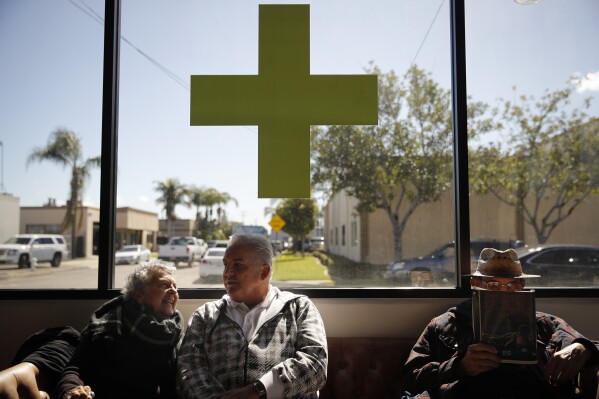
(434, 359)
(215, 356)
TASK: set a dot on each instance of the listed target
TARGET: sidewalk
(8, 271)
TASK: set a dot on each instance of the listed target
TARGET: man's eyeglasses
(497, 286)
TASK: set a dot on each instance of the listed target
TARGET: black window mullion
(110, 102)
(460, 138)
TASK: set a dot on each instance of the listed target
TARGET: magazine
(507, 321)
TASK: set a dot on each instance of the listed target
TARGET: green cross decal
(284, 100)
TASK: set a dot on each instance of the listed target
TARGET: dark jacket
(118, 360)
(433, 363)
(49, 350)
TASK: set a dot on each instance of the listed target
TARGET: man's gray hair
(259, 244)
(137, 281)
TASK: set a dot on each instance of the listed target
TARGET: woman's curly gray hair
(138, 280)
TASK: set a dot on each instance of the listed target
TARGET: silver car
(132, 254)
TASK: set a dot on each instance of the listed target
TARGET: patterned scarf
(120, 315)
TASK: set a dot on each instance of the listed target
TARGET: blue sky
(51, 75)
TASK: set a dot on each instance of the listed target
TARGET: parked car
(183, 249)
(277, 245)
(211, 263)
(438, 268)
(132, 254)
(22, 248)
(561, 265)
(218, 243)
(316, 244)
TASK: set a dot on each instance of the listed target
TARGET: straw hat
(504, 264)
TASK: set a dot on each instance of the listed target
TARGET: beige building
(368, 237)
(133, 226)
(179, 227)
(9, 214)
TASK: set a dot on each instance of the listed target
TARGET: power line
(82, 6)
(90, 12)
(427, 32)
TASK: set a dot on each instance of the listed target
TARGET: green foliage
(347, 272)
(171, 193)
(213, 230)
(323, 258)
(404, 161)
(547, 164)
(297, 267)
(212, 226)
(299, 215)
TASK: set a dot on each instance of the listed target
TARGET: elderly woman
(128, 348)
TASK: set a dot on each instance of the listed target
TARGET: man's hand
(80, 392)
(479, 358)
(19, 382)
(246, 392)
(566, 363)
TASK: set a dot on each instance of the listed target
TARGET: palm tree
(64, 148)
(223, 199)
(172, 193)
(211, 198)
(195, 198)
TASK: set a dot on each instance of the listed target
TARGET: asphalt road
(83, 273)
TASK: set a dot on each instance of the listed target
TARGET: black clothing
(125, 353)
(49, 350)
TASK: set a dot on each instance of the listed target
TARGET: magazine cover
(507, 321)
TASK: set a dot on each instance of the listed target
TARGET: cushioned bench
(365, 367)
(361, 368)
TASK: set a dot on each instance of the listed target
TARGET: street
(83, 273)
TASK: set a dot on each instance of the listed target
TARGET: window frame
(110, 105)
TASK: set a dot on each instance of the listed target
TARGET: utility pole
(2, 189)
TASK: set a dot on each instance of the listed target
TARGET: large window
(533, 170)
(51, 112)
(161, 154)
(192, 163)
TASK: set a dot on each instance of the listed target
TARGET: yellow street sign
(276, 223)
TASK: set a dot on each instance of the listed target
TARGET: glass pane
(51, 109)
(397, 205)
(533, 168)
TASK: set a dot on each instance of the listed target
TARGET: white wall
(9, 214)
(341, 211)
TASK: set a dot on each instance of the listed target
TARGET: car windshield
(525, 250)
(215, 253)
(128, 249)
(442, 251)
(18, 240)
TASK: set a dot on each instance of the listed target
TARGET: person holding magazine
(448, 362)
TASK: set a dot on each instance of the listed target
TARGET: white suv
(21, 248)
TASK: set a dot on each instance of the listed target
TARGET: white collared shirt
(250, 320)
